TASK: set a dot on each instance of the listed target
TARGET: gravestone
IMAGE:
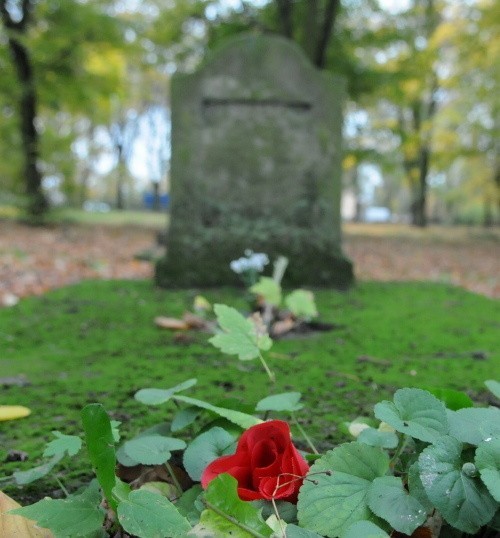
(256, 164)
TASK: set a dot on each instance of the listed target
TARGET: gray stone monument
(256, 164)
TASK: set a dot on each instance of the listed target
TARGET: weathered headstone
(256, 163)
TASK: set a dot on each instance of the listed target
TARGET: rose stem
(304, 434)
(173, 477)
(283, 532)
(231, 519)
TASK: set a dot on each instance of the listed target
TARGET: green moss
(96, 341)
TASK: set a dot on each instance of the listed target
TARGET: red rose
(265, 464)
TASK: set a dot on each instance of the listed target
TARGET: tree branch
(329, 18)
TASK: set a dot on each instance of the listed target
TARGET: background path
(34, 260)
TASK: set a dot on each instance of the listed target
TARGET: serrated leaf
(334, 501)
(494, 387)
(416, 488)
(415, 412)
(269, 289)
(488, 463)
(243, 420)
(159, 396)
(240, 335)
(100, 447)
(148, 515)
(301, 304)
(463, 501)
(373, 437)
(70, 444)
(152, 449)
(388, 499)
(365, 529)
(223, 503)
(286, 401)
(184, 418)
(474, 425)
(78, 516)
(206, 448)
(26, 477)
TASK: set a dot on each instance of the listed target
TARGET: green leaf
(488, 463)
(206, 448)
(227, 514)
(286, 401)
(243, 420)
(152, 449)
(388, 499)
(474, 425)
(415, 412)
(416, 488)
(494, 387)
(121, 491)
(269, 289)
(149, 515)
(452, 399)
(365, 529)
(334, 501)
(186, 504)
(70, 444)
(26, 477)
(183, 418)
(464, 502)
(240, 335)
(292, 531)
(115, 429)
(100, 446)
(373, 437)
(159, 396)
(78, 516)
(301, 304)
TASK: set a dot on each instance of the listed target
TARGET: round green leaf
(373, 437)
(365, 529)
(206, 448)
(149, 515)
(292, 531)
(488, 462)
(452, 399)
(415, 412)
(494, 387)
(475, 424)
(336, 495)
(268, 288)
(159, 396)
(464, 502)
(388, 499)
(152, 449)
(301, 304)
(286, 401)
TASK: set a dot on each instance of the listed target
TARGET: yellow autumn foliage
(12, 526)
(12, 412)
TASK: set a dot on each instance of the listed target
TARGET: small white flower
(355, 428)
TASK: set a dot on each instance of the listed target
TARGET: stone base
(194, 263)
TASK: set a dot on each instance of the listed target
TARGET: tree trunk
(285, 10)
(156, 196)
(419, 209)
(37, 202)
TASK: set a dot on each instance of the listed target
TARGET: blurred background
(84, 99)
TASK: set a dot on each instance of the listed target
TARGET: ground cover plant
(422, 421)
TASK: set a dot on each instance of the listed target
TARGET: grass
(96, 341)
